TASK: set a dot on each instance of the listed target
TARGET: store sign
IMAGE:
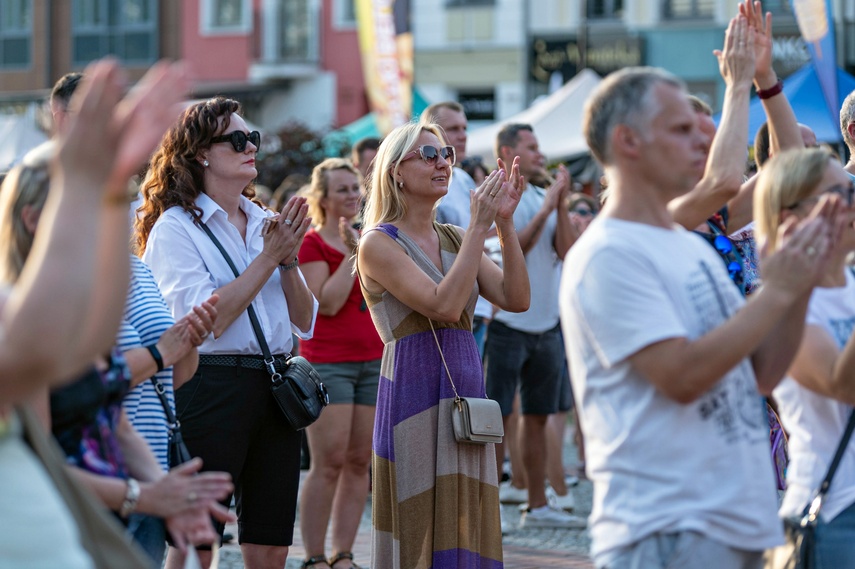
(478, 106)
(789, 53)
(604, 54)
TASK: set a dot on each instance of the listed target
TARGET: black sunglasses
(845, 192)
(238, 139)
(430, 153)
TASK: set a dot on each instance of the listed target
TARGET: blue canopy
(805, 95)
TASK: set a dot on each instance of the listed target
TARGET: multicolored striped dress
(435, 501)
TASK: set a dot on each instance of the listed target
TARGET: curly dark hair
(175, 177)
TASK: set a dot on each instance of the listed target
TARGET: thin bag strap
(171, 419)
(256, 326)
(442, 356)
(812, 509)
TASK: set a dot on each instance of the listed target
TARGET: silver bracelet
(293, 264)
(132, 497)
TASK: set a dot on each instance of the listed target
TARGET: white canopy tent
(557, 122)
(19, 134)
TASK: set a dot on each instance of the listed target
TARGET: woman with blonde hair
(346, 351)
(817, 396)
(436, 500)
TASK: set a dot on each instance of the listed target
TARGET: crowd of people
(690, 313)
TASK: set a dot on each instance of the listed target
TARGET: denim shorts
(534, 362)
(351, 382)
(680, 550)
(834, 544)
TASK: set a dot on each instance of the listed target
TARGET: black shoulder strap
(256, 326)
(161, 393)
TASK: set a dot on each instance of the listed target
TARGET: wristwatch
(292, 265)
(132, 496)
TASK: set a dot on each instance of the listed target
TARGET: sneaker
(570, 480)
(509, 494)
(549, 517)
(565, 502)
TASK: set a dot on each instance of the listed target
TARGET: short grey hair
(847, 116)
(623, 97)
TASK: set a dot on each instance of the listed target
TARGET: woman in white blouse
(203, 173)
(817, 396)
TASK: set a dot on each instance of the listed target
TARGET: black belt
(251, 362)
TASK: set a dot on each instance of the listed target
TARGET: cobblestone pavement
(523, 548)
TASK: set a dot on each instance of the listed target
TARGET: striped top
(145, 320)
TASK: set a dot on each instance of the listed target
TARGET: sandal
(341, 557)
(312, 561)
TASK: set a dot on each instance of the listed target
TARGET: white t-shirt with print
(544, 269)
(816, 422)
(658, 465)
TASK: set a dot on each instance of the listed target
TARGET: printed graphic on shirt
(733, 404)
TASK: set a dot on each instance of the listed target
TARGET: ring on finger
(288, 221)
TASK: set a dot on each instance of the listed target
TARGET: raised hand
(736, 61)
(512, 191)
(120, 133)
(349, 235)
(90, 164)
(558, 189)
(285, 235)
(145, 114)
(804, 248)
(485, 199)
(762, 26)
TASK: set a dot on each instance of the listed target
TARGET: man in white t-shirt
(524, 350)
(455, 206)
(667, 359)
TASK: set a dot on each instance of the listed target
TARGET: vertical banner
(816, 24)
(385, 42)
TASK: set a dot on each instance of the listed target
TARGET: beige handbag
(474, 420)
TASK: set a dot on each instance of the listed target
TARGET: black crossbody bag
(295, 384)
(800, 532)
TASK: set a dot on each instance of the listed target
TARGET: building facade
(497, 56)
(285, 60)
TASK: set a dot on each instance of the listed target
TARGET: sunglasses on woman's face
(238, 139)
(430, 153)
(845, 192)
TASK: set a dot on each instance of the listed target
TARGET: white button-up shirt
(188, 268)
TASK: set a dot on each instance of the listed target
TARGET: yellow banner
(385, 42)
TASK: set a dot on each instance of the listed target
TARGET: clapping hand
(285, 236)
(762, 26)
(120, 133)
(804, 248)
(513, 189)
(736, 61)
(349, 235)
